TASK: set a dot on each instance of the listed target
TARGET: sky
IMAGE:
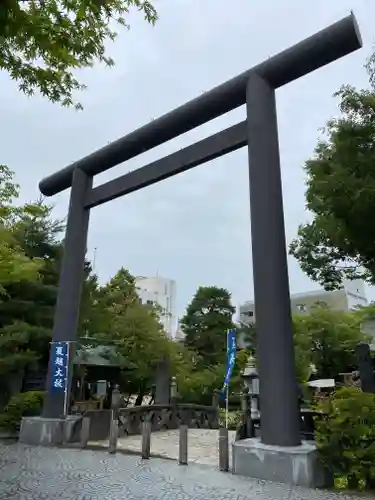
(195, 227)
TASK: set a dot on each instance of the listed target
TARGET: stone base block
(298, 466)
(46, 431)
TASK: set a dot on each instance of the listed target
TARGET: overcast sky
(194, 228)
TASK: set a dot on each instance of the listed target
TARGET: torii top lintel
(333, 42)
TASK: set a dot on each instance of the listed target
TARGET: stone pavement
(28, 473)
(203, 445)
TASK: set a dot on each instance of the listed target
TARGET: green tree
(302, 350)
(15, 265)
(198, 385)
(33, 302)
(43, 43)
(247, 331)
(196, 382)
(302, 346)
(205, 324)
(339, 242)
(120, 292)
(138, 339)
(101, 304)
(327, 339)
(21, 346)
(92, 311)
(29, 263)
(133, 328)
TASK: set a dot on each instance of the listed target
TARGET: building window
(249, 313)
(150, 303)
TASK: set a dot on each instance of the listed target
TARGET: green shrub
(346, 436)
(21, 405)
(234, 418)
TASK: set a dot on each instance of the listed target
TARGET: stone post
(113, 435)
(183, 445)
(246, 413)
(216, 398)
(85, 432)
(173, 391)
(223, 449)
(146, 439)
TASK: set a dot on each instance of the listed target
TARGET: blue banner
(59, 361)
(231, 356)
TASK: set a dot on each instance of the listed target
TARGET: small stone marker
(85, 432)
(113, 434)
(223, 450)
(146, 439)
(183, 445)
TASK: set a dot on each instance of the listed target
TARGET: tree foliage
(339, 242)
(202, 358)
(111, 314)
(345, 436)
(205, 324)
(138, 339)
(33, 250)
(119, 293)
(43, 43)
(21, 346)
(247, 333)
(196, 382)
(327, 339)
(15, 265)
(33, 301)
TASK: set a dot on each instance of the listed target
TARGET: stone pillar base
(46, 431)
(297, 466)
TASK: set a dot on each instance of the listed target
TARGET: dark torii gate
(255, 88)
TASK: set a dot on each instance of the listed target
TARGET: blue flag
(231, 356)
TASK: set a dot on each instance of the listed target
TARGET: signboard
(60, 362)
(101, 388)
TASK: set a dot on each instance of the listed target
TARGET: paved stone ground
(28, 473)
(203, 445)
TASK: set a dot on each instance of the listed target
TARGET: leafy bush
(346, 436)
(198, 386)
(21, 405)
(234, 418)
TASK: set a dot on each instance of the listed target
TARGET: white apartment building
(350, 296)
(160, 291)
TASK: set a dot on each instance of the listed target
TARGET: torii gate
(255, 88)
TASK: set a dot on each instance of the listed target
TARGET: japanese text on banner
(59, 361)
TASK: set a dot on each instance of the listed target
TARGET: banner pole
(227, 407)
(227, 389)
(66, 379)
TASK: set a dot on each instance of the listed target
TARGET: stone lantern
(251, 381)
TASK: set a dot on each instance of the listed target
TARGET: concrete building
(368, 327)
(350, 296)
(160, 291)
